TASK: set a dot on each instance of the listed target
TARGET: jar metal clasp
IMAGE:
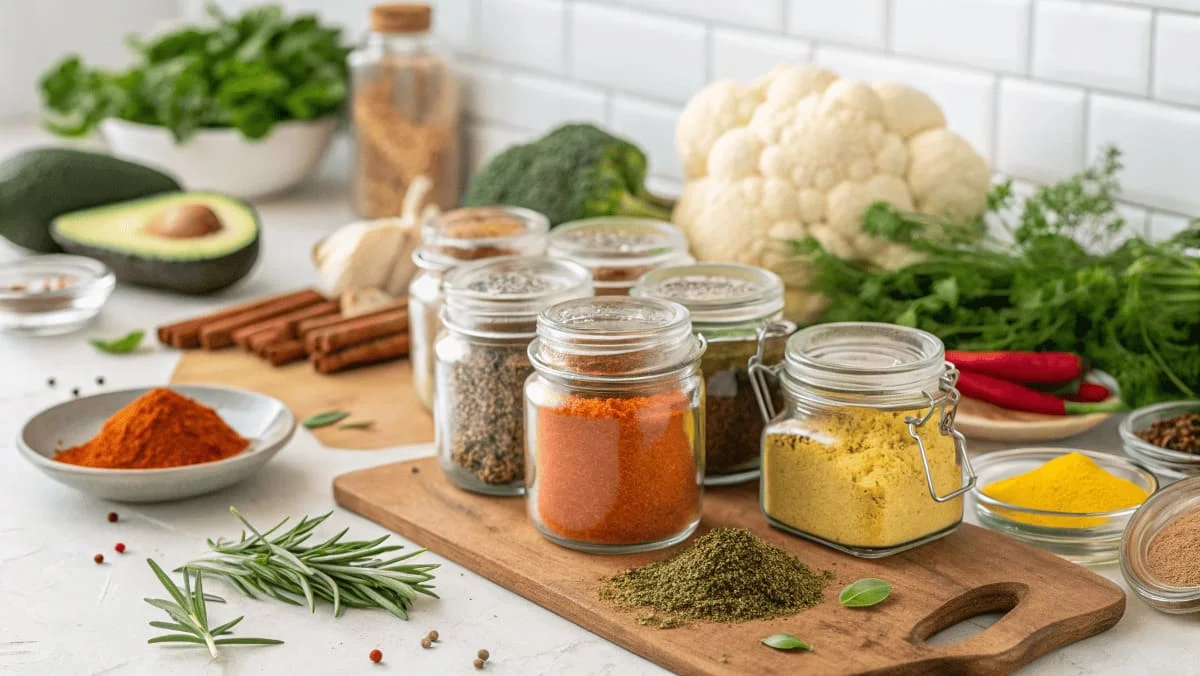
(947, 401)
(760, 371)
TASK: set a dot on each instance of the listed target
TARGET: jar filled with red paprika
(614, 425)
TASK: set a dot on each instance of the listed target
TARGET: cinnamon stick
(259, 342)
(284, 352)
(356, 331)
(309, 325)
(220, 334)
(380, 349)
(286, 322)
(185, 334)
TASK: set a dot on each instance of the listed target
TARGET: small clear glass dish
(1167, 461)
(1090, 539)
(49, 295)
(1162, 508)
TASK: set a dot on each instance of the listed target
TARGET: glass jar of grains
(864, 456)
(447, 241)
(729, 305)
(405, 106)
(490, 316)
(614, 425)
(619, 249)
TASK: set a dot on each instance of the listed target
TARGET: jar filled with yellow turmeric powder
(863, 457)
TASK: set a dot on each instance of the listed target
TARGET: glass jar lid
(614, 336)
(473, 233)
(717, 294)
(504, 295)
(617, 241)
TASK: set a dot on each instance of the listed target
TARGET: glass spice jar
(619, 249)
(490, 315)
(614, 425)
(405, 106)
(729, 305)
(446, 242)
(856, 459)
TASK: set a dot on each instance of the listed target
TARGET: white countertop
(62, 614)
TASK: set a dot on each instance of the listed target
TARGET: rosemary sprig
(190, 614)
(347, 574)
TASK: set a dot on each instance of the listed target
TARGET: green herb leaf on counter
(357, 425)
(864, 593)
(187, 607)
(325, 419)
(782, 641)
(123, 345)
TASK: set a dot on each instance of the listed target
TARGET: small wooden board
(967, 573)
(382, 393)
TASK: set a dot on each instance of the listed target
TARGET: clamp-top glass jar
(729, 304)
(864, 457)
(490, 317)
(619, 249)
(614, 425)
(447, 241)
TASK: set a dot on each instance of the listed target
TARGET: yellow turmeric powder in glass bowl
(1073, 503)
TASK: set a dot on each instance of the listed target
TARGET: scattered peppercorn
(478, 663)
(483, 655)
(433, 635)
(120, 547)
(112, 517)
(99, 558)
(416, 469)
(74, 391)
(51, 382)
(1178, 433)
(99, 380)
(426, 643)
(376, 656)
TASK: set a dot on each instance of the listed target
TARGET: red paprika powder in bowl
(614, 425)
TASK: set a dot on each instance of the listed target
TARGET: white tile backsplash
(1039, 130)
(1164, 226)
(744, 55)
(652, 126)
(987, 33)
(762, 14)
(1092, 44)
(526, 33)
(852, 22)
(1177, 58)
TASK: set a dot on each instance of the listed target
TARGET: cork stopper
(401, 17)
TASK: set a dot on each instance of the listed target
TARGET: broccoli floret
(575, 171)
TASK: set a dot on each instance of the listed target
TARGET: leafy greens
(248, 72)
(1073, 278)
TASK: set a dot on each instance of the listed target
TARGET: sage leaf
(864, 593)
(357, 425)
(122, 345)
(783, 641)
(325, 419)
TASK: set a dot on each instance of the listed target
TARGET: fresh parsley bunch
(1068, 276)
(248, 72)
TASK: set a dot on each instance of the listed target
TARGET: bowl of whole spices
(1160, 558)
(490, 316)
(1165, 437)
(618, 249)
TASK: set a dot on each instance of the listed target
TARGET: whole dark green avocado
(40, 184)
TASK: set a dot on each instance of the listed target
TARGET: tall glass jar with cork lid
(731, 305)
(490, 316)
(405, 106)
(455, 237)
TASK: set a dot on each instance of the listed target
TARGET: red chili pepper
(1041, 368)
(1020, 398)
(1090, 392)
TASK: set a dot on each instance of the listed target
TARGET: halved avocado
(190, 242)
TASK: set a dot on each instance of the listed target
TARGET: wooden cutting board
(382, 393)
(972, 571)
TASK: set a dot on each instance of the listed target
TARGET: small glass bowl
(1162, 508)
(1090, 539)
(1170, 463)
(31, 302)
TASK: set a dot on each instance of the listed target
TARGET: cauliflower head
(801, 152)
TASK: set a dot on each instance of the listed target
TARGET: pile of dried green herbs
(727, 575)
(1069, 276)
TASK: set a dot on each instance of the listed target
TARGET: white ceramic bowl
(222, 160)
(265, 421)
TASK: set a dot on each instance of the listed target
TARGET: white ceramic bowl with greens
(222, 160)
(265, 421)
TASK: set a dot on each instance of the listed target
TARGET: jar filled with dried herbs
(405, 105)
(619, 249)
(446, 242)
(864, 457)
(730, 305)
(614, 425)
(490, 316)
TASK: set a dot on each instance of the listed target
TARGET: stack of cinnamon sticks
(296, 326)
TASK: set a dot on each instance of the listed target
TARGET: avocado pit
(184, 221)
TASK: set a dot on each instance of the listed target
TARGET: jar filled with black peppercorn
(490, 316)
(729, 304)
(619, 249)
